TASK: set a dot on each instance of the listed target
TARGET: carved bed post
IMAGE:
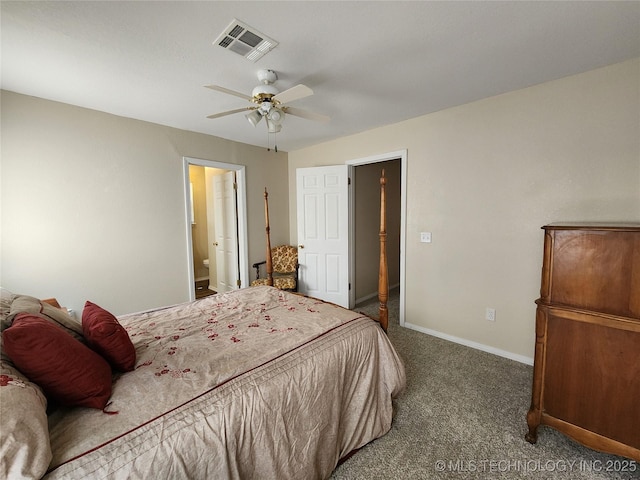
(268, 233)
(383, 276)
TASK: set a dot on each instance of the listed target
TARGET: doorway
(202, 229)
(366, 226)
(321, 211)
(364, 210)
(230, 257)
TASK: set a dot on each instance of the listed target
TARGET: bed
(254, 383)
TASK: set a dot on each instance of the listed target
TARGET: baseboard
(469, 343)
(374, 294)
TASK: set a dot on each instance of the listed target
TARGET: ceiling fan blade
(317, 117)
(230, 92)
(224, 114)
(293, 93)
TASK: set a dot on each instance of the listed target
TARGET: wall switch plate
(491, 314)
(425, 237)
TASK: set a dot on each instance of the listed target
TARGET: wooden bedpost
(268, 232)
(383, 275)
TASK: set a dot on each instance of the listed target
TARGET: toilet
(205, 262)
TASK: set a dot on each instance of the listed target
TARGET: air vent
(245, 40)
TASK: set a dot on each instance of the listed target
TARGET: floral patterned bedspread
(255, 383)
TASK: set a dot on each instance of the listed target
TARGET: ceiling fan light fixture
(273, 127)
(275, 116)
(254, 117)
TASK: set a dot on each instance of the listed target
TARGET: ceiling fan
(270, 103)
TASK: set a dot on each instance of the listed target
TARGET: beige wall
(93, 204)
(484, 177)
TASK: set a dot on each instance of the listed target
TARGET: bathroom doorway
(215, 208)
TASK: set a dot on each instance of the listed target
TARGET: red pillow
(107, 337)
(68, 371)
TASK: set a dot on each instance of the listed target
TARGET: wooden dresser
(586, 374)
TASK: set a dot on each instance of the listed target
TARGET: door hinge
(348, 180)
(349, 285)
(235, 186)
(238, 282)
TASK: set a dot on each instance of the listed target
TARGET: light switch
(425, 237)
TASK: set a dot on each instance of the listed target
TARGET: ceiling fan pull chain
(275, 141)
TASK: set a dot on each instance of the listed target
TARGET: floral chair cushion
(282, 283)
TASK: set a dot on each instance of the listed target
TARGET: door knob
(300, 246)
(215, 244)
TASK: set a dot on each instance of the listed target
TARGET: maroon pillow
(68, 371)
(107, 337)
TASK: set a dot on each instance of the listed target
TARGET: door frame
(243, 238)
(383, 157)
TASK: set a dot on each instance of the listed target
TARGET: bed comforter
(257, 383)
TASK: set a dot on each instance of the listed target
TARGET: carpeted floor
(463, 415)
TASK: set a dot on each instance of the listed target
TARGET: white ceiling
(370, 63)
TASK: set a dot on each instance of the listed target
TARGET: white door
(323, 232)
(226, 236)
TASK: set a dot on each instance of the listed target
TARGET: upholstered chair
(285, 268)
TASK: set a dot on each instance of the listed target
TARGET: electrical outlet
(490, 314)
